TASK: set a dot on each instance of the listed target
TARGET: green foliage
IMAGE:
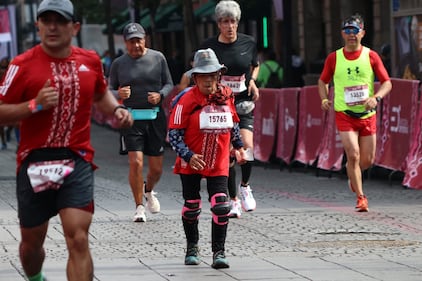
(91, 10)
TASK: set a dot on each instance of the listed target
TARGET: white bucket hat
(205, 61)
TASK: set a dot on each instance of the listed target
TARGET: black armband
(119, 106)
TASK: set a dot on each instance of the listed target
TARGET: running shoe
(140, 214)
(192, 255)
(351, 187)
(235, 209)
(362, 204)
(246, 197)
(219, 260)
(152, 204)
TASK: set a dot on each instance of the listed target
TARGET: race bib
(49, 174)
(236, 83)
(356, 94)
(215, 117)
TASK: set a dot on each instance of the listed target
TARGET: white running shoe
(140, 214)
(235, 209)
(152, 204)
(246, 197)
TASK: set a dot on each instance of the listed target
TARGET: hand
(124, 117)
(48, 96)
(253, 90)
(370, 103)
(154, 97)
(196, 162)
(326, 104)
(124, 92)
(241, 156)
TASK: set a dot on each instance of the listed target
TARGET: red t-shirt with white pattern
(77, 79)
(213, 146)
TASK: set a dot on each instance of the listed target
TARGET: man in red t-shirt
(51, 89)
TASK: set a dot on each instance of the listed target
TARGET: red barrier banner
(5, 35)
(310, 125)
(413, 173)
(167, 100)
(287, 123)
(265, 121)
(330, 151)
(399, 112)
(97, 115)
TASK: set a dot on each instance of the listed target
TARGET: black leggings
(246, 174)
(191, 185)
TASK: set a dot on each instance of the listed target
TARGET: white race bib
(236, 83)
(215, 117)
(356, 94)
(49, 174)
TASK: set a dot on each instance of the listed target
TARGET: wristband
(119, 106)
(33, 106)
(378, 99)
(324, 101)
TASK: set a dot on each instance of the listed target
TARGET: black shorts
(246, 121)
(148, 136)
(77, 190)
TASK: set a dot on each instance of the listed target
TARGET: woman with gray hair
(230, 9)
(202, 124)
(239, 53)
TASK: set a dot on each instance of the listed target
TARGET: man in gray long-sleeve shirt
(142, 80)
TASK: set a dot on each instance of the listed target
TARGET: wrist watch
(378, 99)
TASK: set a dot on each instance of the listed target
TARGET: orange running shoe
(362, 204)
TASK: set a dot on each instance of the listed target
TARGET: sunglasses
(349, 31)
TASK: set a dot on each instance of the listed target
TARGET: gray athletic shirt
(149, 73)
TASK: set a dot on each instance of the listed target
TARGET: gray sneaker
(192, 255)
(219, 260)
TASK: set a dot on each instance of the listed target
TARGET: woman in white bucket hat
(202, 124)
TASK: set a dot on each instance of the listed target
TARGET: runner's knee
(220, 208)
(192, 209)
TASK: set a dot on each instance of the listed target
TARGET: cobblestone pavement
(304, 228)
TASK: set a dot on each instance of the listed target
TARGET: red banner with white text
(310, 125)
(330, 152)
(399, 111)
(413, 174)
(287, 123)
(265, 121)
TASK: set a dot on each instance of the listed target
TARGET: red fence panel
(399, 111)
(310, 125)
(167, 100)
(265, 121)
(287, 123)
(330, 151)
(413, 174)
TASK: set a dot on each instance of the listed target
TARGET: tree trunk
(110, 29)
(190, 34)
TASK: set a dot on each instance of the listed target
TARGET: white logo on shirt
(83, 68)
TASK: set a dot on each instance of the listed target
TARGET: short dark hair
(354, 19)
